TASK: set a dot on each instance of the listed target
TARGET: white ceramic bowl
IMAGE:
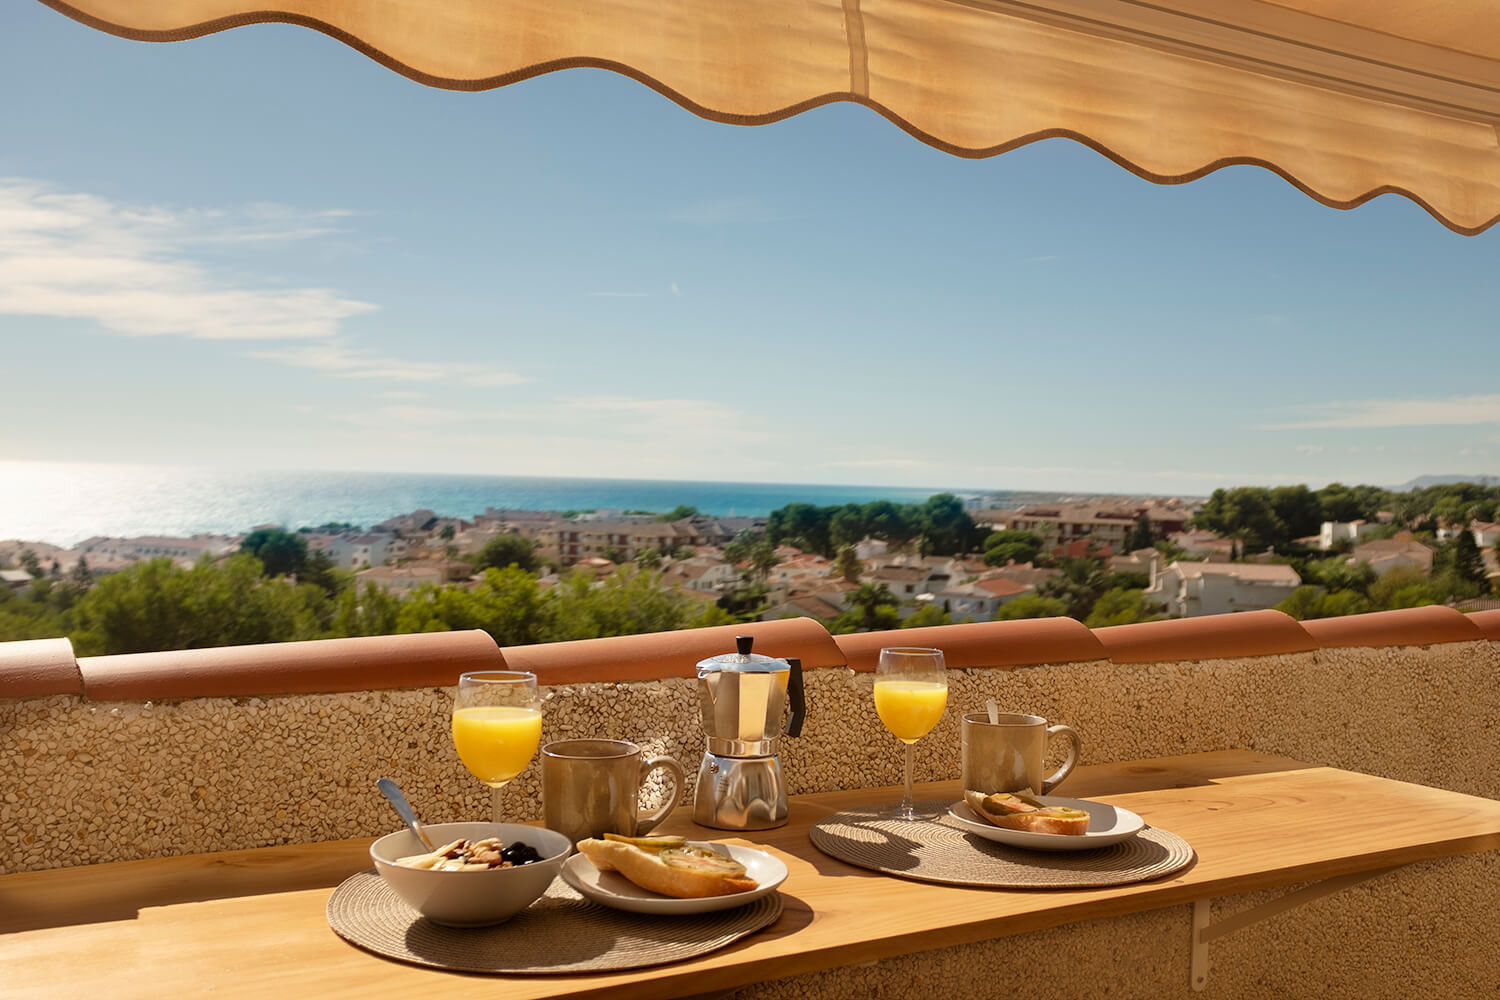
(470, 899)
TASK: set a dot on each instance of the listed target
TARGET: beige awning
(1347, 99)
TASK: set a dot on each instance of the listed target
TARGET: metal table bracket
(1204, 931)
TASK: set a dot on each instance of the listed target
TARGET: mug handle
(646, 822)
(1075, 748)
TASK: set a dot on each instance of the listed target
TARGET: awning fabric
(1346, 99)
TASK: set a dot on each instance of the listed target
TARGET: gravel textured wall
(85, 782)
(1383, 938)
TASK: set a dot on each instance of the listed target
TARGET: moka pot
(743, 695)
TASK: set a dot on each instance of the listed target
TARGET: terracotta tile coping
(984, 644)
(670, 654)
(365, 664)
(1212, 637)
(1406, 627)
(36, 668)
(42, 667)
(1488, 623)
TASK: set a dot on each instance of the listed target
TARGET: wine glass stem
(496, 793)
(906, 803)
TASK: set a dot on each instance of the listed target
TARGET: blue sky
(261, 248)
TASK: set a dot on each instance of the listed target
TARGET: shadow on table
(97, 894)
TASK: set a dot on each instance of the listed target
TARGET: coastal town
(1154, 545)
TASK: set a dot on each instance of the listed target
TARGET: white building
(363, 551)
(1334, 532)
(1190, 589)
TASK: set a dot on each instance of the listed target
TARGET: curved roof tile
(324, 665)
(35, 668)
(1211, 637)
(983, 644)
(1404, 627)
(670, 654)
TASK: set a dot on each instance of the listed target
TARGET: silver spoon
(392, 791)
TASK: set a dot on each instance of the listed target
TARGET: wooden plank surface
(251, 922)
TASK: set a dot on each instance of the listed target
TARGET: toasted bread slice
(679, 880)
(1016, 812)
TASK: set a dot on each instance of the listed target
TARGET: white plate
(1107, 825)
(614, 889)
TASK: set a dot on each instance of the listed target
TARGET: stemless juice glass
(497, 724)
(911, 692)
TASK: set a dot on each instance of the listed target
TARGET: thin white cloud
(339, 360)
(675, 290)
(129, 269)
(1369, 413)
(1309, 449)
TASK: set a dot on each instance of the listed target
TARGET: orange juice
(496, 742)
(910, 709)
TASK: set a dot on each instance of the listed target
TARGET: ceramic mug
(590, 787)
(1007, 755)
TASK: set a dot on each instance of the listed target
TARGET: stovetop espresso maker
(743, 695)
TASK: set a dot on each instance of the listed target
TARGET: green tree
(1352, 503)
(1339, 574)
(1083, 581)
(745, 603)
(1303, 603)
(371, 611)
(506, 550)
(625, 603)
(447, 533)
(1141, 536)
(1001, 547)
(890, 522)
(156, 606)
(873, 606)
(281, 553)
(1298, 509)
(1404, 587)
(848, 526)
(803, 525)
(927, 614)
(648, 559)
(947, 526)
(763, 559)
(1121, 606)
(1031, 606)
(846, 564)
(1468, 564)
(678, 513)
(1345, 602)
(508, 604)
(1244, 513)
(31, 564)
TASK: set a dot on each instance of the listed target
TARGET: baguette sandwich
(669, 865)
(1022, 812)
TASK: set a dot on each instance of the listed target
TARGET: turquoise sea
(64, 503)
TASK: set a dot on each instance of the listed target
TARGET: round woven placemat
(939, 852)
(560, 933)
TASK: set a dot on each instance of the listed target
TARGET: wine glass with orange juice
(497, 724)
(911, 691)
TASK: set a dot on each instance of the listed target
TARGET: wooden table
(251, 922)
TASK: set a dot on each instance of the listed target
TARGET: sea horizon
(63, 503)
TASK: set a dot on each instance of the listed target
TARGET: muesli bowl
(470, 898)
